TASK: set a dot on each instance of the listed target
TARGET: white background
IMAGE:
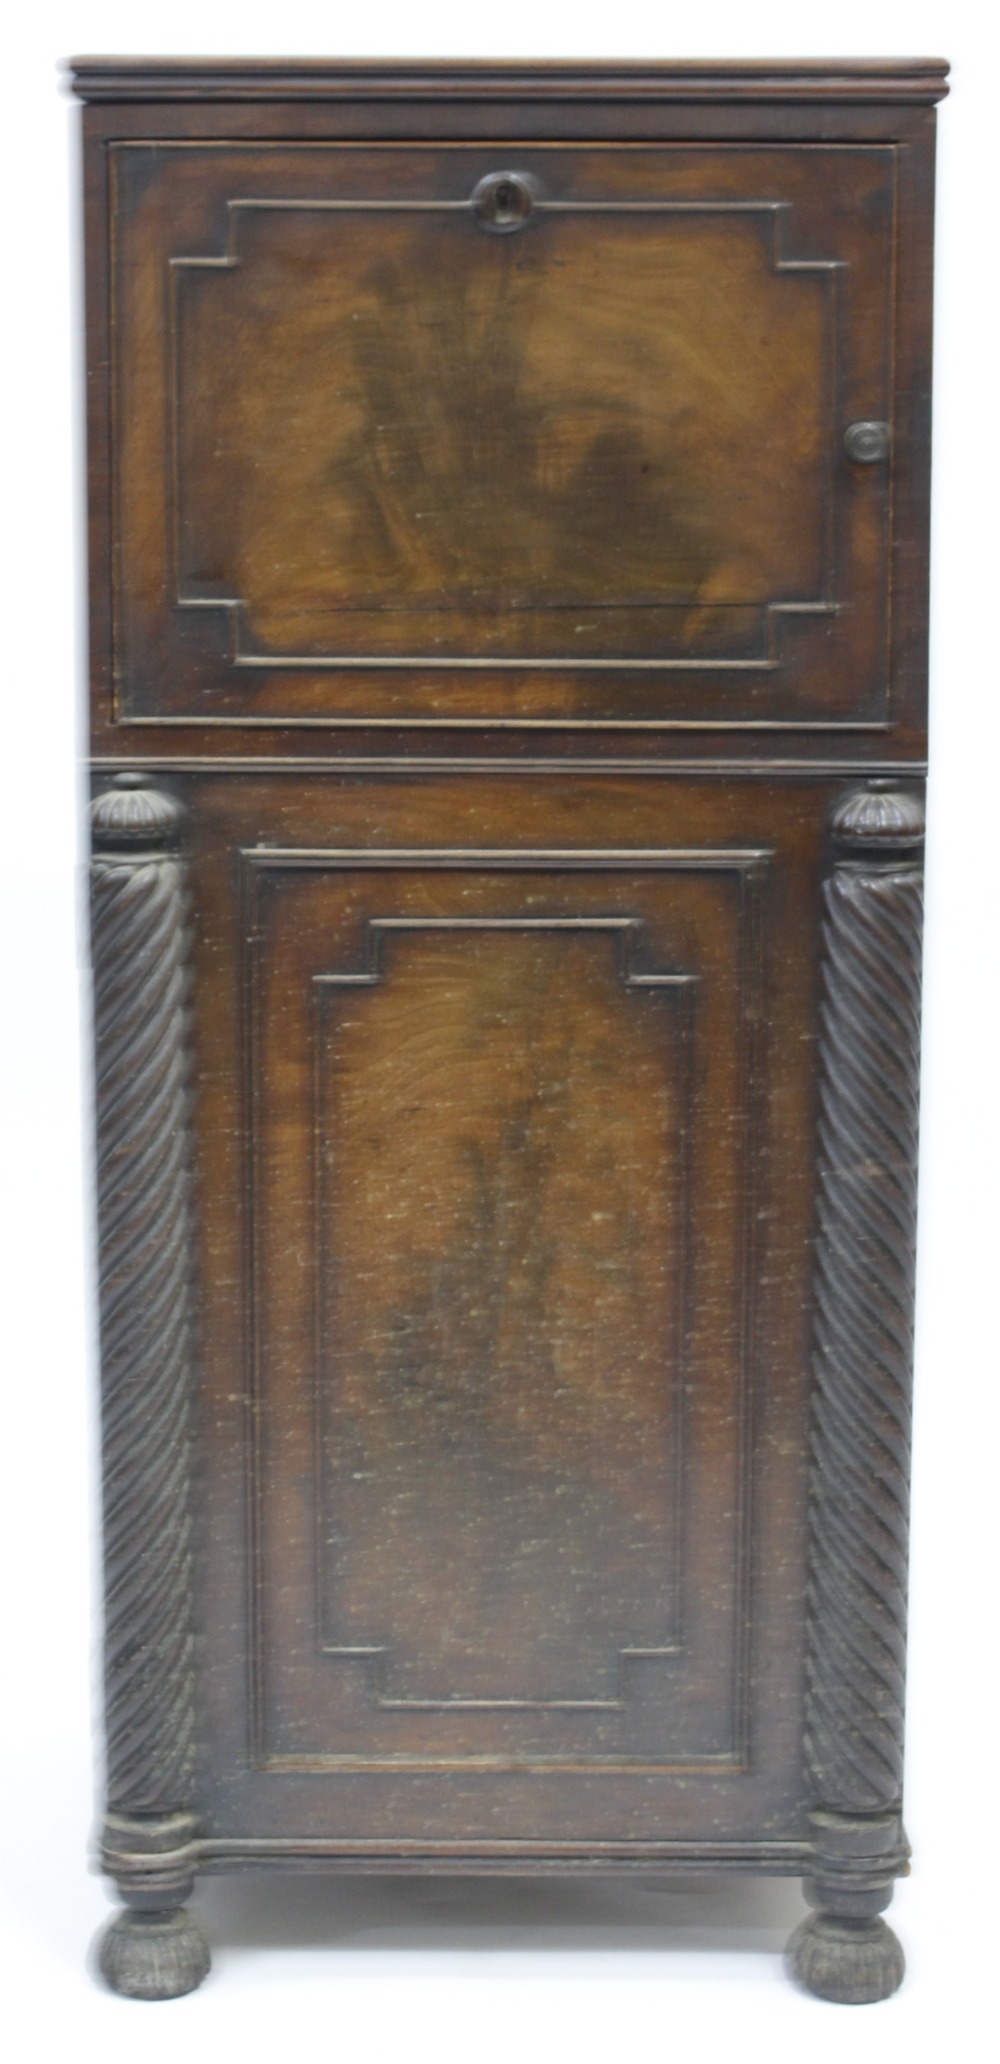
(445, 1970)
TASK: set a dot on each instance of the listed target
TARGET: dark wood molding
(265, 763)
(499, 1858)
(136, 78)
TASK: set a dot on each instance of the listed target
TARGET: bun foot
(153, 1956)
(854, 1962)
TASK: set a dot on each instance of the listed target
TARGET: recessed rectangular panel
(502, 1114)
(500, 1259)
(403, 436)
(391, 449)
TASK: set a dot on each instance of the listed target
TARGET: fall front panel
(401, 436)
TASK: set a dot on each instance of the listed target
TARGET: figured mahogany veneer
(508, 612)
(500, 506)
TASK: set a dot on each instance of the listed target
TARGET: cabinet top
(324, 79)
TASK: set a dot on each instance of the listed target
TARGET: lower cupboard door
(525, 1332)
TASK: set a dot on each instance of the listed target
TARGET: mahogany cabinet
(508, 533)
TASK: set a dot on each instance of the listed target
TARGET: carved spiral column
(144, 1267)
(863, 1359)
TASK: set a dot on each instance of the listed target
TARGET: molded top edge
(260, 79)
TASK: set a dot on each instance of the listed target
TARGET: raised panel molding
(623, 934)
(763, 645)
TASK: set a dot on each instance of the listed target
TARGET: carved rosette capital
(880, 818)
(132, 815)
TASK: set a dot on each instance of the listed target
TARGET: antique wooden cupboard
(508, 531)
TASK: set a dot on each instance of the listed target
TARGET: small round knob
(503, 201)
(867, 443)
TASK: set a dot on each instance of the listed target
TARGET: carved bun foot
(154, 1956)
(853, 1962)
